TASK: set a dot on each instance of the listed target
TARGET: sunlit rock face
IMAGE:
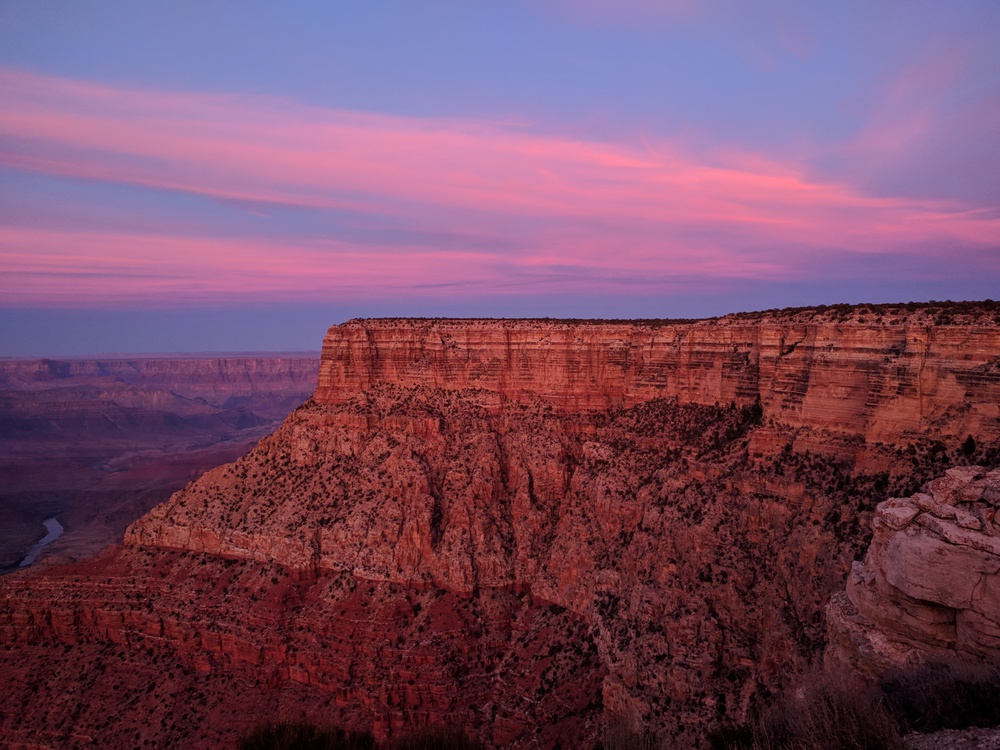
(930, 582)
(534, 526)
(443, 451)
(903, 376)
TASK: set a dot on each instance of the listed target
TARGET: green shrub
(302, 735)
(944, 694)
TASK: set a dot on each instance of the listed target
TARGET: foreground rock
(197, 649)
(930, 582)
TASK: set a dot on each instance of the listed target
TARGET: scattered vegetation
(939, 313)
(942, 313)
(830, 713)
(651, 322)
(944, 694)
(304, 735)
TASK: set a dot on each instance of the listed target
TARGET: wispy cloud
(539, 209)
(932, 130)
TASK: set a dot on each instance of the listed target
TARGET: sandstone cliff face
(883, 382)
(930, 582)
(450, 424)
(621, 479)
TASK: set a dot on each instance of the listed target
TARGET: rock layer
(883, 382)
(930, 582)
(685, 498)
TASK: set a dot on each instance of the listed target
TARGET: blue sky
(232, 176)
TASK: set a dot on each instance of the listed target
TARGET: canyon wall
(653, 516)
(214, 379)
(905, 376)
(97, 442)
(893, 383)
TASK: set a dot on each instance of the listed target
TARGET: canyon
(98, 442)
(526, 528)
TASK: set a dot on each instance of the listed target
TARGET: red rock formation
(623, 478)
(334, 648)
(930, 582)
(883, 382)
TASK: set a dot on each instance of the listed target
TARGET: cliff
(903, 377)
(456, 412)
(929, 584)
(649, 518)
(215, 380)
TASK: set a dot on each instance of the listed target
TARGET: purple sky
(191, 176)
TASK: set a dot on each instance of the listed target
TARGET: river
(54, 529)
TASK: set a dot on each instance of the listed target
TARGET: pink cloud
(907, 109)
(932, 131)
(649, 211)
(124, 268)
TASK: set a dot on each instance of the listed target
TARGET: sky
(237, 175)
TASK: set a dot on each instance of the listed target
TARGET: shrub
(620, 736)
(828, 714)
(730, 737)
(302, 735)
(437, 739)
(944, 694)
(969, 446)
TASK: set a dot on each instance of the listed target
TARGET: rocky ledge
(929, 583)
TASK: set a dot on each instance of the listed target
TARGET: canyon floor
(97, 443)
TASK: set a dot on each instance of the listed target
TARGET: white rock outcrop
(930, 582)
